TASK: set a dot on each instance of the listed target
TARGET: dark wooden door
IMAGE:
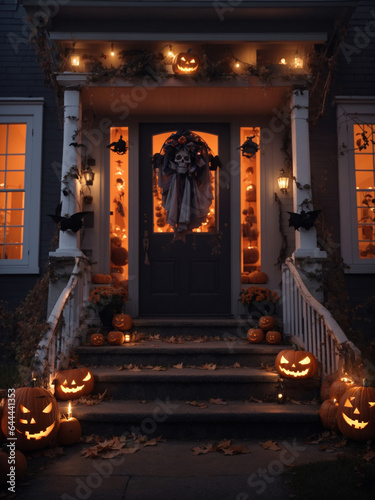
(191, 277)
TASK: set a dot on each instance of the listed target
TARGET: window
(356, 129)
(20, 178)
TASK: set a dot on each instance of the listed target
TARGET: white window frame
(29, 111)
(349, 111)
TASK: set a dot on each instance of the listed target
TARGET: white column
(306, 242)
(68, 240)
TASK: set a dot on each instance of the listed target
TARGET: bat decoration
(73, 223)
(249, 147)
(305, 220)
(118, 147)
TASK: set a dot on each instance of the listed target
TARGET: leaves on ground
(159, 368)
(208, 366)
(226, 447)
(217, 401)
(195, 403)
(254, 400)
(236, 365)
(267, 367)
(123, 445)
(270, 445)
(92, 399)
(179, 366)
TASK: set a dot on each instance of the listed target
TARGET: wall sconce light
(297, 61)
(74, 58)
(88, 175)
(283, 181)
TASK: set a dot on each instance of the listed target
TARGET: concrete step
(176, 419)
(197, 383)
(157, 352)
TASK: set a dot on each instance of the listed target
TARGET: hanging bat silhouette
(306, 220)
(73, 222)
(249, 147)
(118, 147)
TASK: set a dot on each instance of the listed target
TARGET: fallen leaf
(152, 442)
(217, 401)
(370, 455)
(255, 400)
(224, 444)
(110, 454)
(195, 403)
(202, 451)
(236, 365)
(118, 368)
(179, 366)
(270, 445)
(208, 366)
(159, 368)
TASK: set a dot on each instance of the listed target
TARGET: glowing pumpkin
(19, 462)
(296, 364)
(36, 418)
(97, 339)
(73, 383)
(255, 335)
(115, 338)
(250, 255)
(122, 322)
(356, 413)
(328, 414)
(338, 388)
(185, 63)
(273, 337)
(266, 323)
(102, 278)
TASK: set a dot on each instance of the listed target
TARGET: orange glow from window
(12, 189)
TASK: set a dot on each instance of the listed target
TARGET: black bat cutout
(306, 220)
(73, 223)
(118, 147)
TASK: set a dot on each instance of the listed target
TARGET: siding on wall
(21, 76)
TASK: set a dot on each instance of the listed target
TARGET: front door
(188, 276)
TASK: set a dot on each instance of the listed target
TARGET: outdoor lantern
(283, 181)
(88, 175)
(297, 61)
(127, 338)
(74, 58)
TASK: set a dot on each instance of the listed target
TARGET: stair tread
(177, 410)
(188, 347)
(245, 373)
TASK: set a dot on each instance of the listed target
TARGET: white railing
(311, 325)
(56, 346)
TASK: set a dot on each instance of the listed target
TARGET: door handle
(146, 246)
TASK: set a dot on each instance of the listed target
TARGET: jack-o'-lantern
(115, 338)
(266, 323)
(296, 364)
(97, 339)
(328, 414)
(18, 461)
(273, 337)
(185, 63)
(122, 322)
(339, 387)
(73, 383)
(255, 335)
(36, 418)
(356, 413)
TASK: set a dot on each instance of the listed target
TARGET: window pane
(14, 180)
(363, 135)
(13, 252)
(17, 138)
(364, 162)
(16, 162)
(3, 138)
(364, 179)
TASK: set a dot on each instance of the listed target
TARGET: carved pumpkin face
(122, 322)
(266, 323)
(73, 383)
(273, 337)
(97, 339)
(36, 418)
(255, 335)
(296, 364)
(356, 413)
(185, 63)
(115, 338)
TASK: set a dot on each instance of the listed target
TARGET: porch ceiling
(124, 102)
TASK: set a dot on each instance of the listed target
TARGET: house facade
(186, 117)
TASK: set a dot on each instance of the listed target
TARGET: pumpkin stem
(32, 382)
(365, 383)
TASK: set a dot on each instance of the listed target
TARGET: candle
(127, 337)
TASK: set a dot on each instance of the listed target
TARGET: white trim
(29, 111)
(192, 37)
(348, 107)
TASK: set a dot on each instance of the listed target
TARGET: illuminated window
(20, 178)
(250, 206)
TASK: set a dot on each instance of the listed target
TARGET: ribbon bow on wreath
(184, 165)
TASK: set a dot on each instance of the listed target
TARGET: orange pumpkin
(119, 256)
(70, 431)
(36, 418)
(18, 461)
(122, 322)
(328, 414)
(356, 413)
(258, 277)
(338, 388)
(250, 255)
(73, 383)
(185, 63)
(115, 338)
(273, 337)
(296, 364)
(255, 335)
(102, 278)
(266, 323)
(245, 278)
(97, 339)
